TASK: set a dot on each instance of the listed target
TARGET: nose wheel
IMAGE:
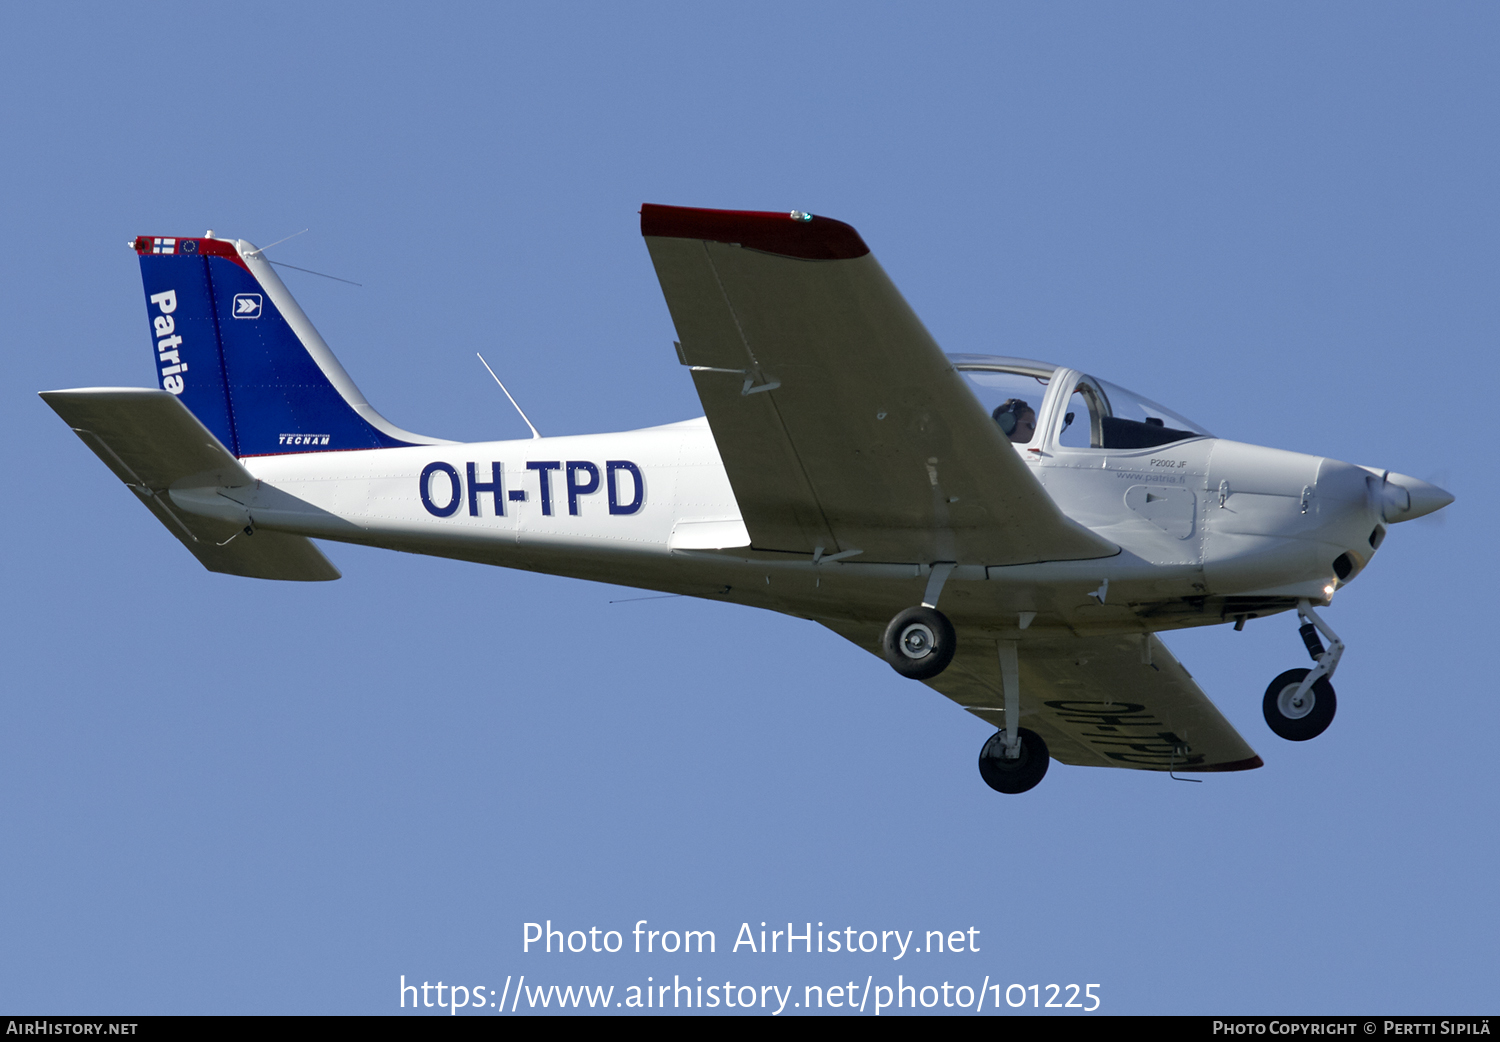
(1300, 703)
(1297, 712)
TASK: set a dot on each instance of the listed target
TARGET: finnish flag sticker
(247, 305)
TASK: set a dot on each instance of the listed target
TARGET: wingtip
(788, 233)
(1237, 765)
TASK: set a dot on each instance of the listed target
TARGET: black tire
(919, 643)
(1018, 775)
(1298, 723)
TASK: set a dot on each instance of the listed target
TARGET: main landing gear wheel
(919, 643)
(1298, 719)
(1020, 774)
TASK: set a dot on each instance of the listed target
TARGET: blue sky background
(225, 795)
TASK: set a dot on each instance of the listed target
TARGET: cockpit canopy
(1039, 403)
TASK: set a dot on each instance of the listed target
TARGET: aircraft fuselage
(1209, 529)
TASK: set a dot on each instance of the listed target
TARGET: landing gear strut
(1300, 703)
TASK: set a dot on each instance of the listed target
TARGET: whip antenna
(534, 432)
(278, 242)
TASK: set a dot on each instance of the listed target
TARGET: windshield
(1129, 407)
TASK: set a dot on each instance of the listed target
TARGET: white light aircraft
(847, 471)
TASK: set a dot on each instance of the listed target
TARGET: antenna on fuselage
(534, 432)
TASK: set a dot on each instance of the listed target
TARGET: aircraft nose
(1403, 498)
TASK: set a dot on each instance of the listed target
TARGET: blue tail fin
(236, 349)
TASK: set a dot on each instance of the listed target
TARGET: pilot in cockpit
(1017, 420)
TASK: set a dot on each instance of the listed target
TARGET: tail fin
(235, 348)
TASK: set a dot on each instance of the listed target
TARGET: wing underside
(1097, 701)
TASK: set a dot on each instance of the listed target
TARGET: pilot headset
(1008, 415)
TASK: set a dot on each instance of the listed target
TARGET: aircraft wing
(1120, 701)
(154, 444)
(840, 422)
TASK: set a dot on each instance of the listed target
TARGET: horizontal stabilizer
(154, 444)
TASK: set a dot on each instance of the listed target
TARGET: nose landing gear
(1300, 703)
(1296, 711)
